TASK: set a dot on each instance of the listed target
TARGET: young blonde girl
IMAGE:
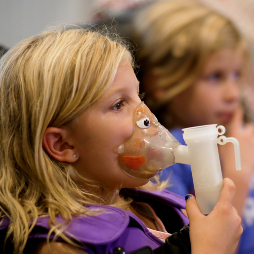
(67, 100)
(194, 63)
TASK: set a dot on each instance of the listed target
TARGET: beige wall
(241, 11)
(20, 19)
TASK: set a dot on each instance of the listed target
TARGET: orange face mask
(149, 149)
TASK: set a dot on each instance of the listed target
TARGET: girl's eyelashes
(118, 105)
(141, 96)
(121, 102)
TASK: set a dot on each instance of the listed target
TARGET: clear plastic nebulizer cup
(151, 148)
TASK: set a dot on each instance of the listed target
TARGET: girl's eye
(143, 123)
(215, 77)
(118, 105)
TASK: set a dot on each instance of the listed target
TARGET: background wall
(240, 11)
(20, 19)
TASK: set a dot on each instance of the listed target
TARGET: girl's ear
(55, 142)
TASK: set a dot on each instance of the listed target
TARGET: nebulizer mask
(152, 148)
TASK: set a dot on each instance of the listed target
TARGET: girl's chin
(134, 182)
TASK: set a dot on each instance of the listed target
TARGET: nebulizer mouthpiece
(152, 148)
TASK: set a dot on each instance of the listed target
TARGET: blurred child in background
(193, 64)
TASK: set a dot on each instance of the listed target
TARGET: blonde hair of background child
(48, 80)
(174, 40)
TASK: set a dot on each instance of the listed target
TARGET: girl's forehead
(225, 56)
(124, 82)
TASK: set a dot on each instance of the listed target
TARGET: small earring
(74, 156)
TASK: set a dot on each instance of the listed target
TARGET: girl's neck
(149, 223)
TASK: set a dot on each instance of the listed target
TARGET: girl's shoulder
(107, 225)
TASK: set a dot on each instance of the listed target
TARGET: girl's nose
(153, 130)
(232, 90)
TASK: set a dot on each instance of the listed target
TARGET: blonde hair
(174, 39)
(47, 80)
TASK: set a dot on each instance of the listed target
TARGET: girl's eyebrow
(116, 92)
(121, 89)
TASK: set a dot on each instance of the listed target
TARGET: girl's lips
(225, 116)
